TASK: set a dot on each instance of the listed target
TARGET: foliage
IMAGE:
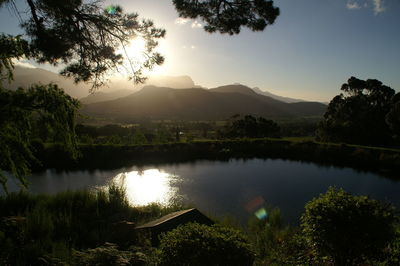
(87, 38)
(107, 255)
(360, 114)
(252, 127)
(19, 110)
(393, 116)
(349, 229)
(303, 127)
(11, 47)
(228, 16)
(41, 227)
(195, 244)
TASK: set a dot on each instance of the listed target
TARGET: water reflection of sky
(148, 186)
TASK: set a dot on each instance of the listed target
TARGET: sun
(134, 54)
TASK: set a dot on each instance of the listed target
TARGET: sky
(311, 50)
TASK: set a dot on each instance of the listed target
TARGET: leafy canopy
(228, 16)
(197, 244)
(19, 111)
(87, 39)
(364, 113)
(251, 127)
(349, 229)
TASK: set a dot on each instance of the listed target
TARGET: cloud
(352, 5)
(23, 63)
(378, 6)
(181, 21)
(196, 24)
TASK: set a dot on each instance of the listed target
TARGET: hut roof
(169, 217)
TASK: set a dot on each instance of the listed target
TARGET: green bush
(349, 229)
(196, 244)
(107, 255)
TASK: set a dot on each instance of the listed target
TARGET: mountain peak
(236, 88)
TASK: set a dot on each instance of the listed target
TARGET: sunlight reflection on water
(148, 186)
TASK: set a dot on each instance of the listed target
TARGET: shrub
(349, 229)
(196, 244)
(107, 255)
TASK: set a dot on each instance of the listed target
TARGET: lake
(237, 188)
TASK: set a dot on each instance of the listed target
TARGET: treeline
(383, 161)
(186, 131)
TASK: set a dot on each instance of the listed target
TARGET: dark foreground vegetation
(97, 228)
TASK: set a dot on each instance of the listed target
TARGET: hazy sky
(313, 47)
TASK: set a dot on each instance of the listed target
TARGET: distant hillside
(277, 97)
(105, 96)
(198, 104)
(119, 87)
(112, 92)
(24, 77)
(175, 82)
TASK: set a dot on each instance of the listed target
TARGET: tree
(252, 127)
(228, 16)
(349, 229)
(86, 37)
(196, 244)
(393, 116)
(18, 112)
(358, 114)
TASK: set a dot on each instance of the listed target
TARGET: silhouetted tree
(85, 37)
(252, 127)
(228, 16)
(393, 117)
(358, 114)
(18, 112)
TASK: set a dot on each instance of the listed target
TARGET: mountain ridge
(153, 102)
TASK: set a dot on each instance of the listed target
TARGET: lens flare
(111, 10)
(261, 214)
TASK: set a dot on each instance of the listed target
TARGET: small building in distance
(172, 221)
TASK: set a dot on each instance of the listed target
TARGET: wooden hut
(172, 221)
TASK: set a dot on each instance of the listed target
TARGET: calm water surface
(236, 187)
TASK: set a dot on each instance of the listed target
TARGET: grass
(36, 227)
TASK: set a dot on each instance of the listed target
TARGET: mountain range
(173, 98)
(219, 103)
(117, 88)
